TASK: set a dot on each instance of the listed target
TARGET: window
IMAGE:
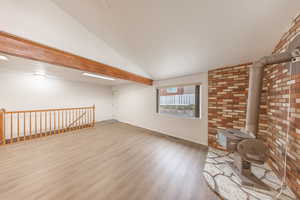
(179, 101)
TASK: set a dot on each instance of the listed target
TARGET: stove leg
(242, 169)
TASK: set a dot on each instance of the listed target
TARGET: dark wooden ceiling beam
(17, 46)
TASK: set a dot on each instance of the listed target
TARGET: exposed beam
(17, 46)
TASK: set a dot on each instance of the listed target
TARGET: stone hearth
(221, 178)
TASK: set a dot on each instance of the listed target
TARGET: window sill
(178, 117)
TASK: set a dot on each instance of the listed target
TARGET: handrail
(24, 125)
(45, 110)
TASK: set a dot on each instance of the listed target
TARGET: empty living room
(149, 100)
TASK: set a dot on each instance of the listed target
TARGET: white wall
(26, 92)
(133, 103)
(136, 105)
(44, 22)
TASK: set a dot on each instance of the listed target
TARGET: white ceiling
(169, 38)
(17, 65)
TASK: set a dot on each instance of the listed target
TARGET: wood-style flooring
(113, 161)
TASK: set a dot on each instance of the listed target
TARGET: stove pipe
(255, 81)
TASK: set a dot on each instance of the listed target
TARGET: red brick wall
(274, 116)
(227, 99)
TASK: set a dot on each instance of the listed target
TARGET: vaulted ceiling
(169, 38)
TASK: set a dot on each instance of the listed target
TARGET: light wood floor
(110, 162)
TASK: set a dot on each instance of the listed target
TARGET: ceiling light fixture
(98, 76)
(3, 58)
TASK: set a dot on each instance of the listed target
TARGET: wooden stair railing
(18, 126)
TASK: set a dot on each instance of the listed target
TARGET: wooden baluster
(41, 125)
(35, 124)
(24, 126)
(90, 117)
(87, 117)
(91, 113)
(50, 123)
(2, 126)
(46, 125)
(94, 115)
(62, 120)
(30, 128)
(72, 118)
(55, 124)
(77, 121)
(18, 139)
(81, 117)
(58, 121)
(66, 122)
(75, 114)
(11, 129)
(84, 119)
(67, 119)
